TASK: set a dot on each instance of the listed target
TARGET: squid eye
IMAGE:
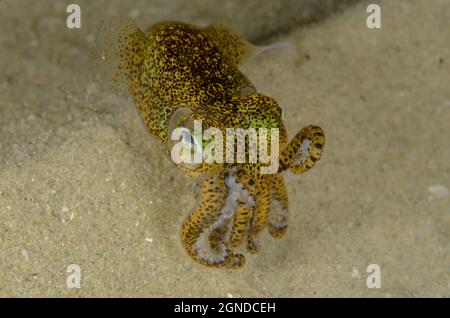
(176, 119)
(188, 149)
(188, 139)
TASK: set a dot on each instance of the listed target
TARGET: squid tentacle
(199, 233)
(219, 223)
(240, 223)
(258, 187)
(304, 150)
(263, 199)
(277, 225)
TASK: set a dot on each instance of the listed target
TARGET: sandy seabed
(81, 182)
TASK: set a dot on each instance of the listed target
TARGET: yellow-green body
(177, 68)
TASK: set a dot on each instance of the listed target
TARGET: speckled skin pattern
(175, 66)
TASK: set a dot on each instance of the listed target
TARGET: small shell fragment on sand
(355, 273)
(439, 191)
(25, 255)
